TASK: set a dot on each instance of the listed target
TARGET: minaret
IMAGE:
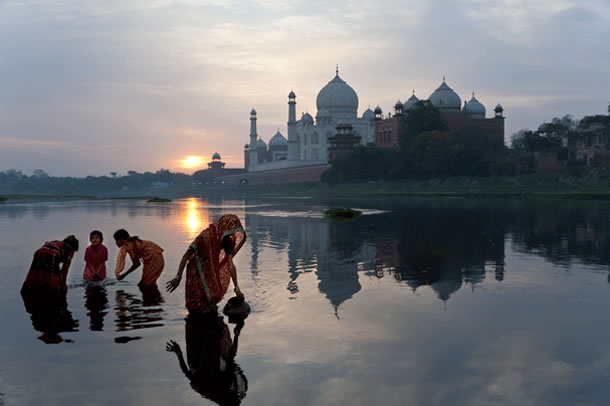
(253, 137)
(293, 153)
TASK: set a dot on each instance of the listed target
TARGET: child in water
(96, 256)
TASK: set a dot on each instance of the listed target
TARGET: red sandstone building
(469, 117)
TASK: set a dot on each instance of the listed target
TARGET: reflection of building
(308, 139)
(470, 116)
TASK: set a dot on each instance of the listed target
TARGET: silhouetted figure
(50, 265)
(210, 354)
(44, 289)
(49, 313)
(96, 302)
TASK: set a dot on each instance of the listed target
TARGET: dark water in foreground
(423, 302)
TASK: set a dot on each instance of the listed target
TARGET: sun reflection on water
(196, 217)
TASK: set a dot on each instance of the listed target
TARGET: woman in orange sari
(210, 265)
(146, 251)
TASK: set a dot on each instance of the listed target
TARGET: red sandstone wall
(383, 139)
(278, 176)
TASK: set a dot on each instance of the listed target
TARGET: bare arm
(234, 276)
(174, 283)
(134, 265)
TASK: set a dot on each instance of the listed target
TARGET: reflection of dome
(260, 144)
(474, 108)
(338, 97)
(410, 102)
(368, 115)
(278, 139)
(307, 118)
(444, 98)
(216, 155)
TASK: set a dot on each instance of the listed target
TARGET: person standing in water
(96, 256)
(46, 271)
(210, 265)
(141, 252)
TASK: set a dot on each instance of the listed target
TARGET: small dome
(378, 110)
(338, 97)
(253, 112)
(444, 98)
(307, 118)
(246, 146)
(398, 105)
(291, 95)
(260, 144)
(278, 139)
(368, 114)
(474, 108)
(499, 108)
(216, 155)
(410, 102)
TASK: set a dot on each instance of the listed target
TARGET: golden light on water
(195, 217)
(192, 161)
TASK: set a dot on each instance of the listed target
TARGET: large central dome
(338, 98)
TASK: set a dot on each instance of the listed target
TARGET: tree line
(428, 150)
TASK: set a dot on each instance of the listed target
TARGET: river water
(417, 301)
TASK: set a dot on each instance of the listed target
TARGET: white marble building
(308, 138)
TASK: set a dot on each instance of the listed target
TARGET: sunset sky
(90, 87)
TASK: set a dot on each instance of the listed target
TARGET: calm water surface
(423, 302)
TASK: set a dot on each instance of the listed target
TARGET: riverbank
(554, 186)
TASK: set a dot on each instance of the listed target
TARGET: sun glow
(196, 218)
(192, 161)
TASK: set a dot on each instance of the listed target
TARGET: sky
(93, 87)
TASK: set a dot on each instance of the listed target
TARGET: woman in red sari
(210, 265)
(50, 265)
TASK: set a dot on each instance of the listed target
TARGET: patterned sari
(208, 271)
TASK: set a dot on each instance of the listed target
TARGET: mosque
(309, 140)
(471, 115)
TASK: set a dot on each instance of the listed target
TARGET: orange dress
(150, 254)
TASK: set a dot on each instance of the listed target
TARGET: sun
(192, 161)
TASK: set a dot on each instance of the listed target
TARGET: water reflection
(49, 314)
(210, 359)
(135, 313)
(196, 218)
(96, 303)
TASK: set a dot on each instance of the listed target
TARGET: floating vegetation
(342, 212)
(158, 200)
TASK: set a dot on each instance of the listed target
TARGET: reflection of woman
(210, 265)
(96, 302)
(50, 265)
(49, 313)
(139, 250)
(210, 354)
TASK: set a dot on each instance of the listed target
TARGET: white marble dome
(307, 119)
(278, 139)
(445, 99)
(410, 102)
(260, 144)
(368, 114)
(474, 108)
(338, 98)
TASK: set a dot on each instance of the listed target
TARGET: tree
(422, 117)
(432, 154)
(39, 174)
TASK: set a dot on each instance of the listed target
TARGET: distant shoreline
(552, 186)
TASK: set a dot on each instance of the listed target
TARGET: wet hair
(72, 242)
(121, 234)
(98, 233)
